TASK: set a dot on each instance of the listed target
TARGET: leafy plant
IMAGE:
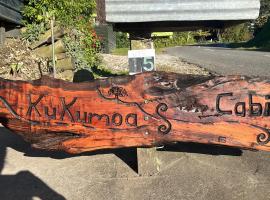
(91, 44)
(201, 35)
(81, 42)
(262, 39)
(33, 31)
(264, 14)
(67, 12)
(178, 38)
(122, 40)
(15, 68)
(83, 48)
(237, 33)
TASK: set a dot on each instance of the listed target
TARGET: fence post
(2, 35)
(146, 157)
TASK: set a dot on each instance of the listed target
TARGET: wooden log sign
(138, 111)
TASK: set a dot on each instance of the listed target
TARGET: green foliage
(67, 12)
(262, 39)
(74, 49)
(83, 47)
(181, 38)
(15, 68)
(201, 35)
(178, 38)
(237, 33)
(122, 40)
(264, 14)
(90, 43)
(120, 51)
(81, 42)
(33, 31)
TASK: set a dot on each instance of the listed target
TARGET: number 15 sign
(141, 61)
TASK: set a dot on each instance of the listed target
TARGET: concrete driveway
(224, 60)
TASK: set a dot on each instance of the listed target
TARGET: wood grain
(144, 110)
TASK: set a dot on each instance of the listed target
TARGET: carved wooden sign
(143, 110)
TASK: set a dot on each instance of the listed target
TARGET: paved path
(224, 60)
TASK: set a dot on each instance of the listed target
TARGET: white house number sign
(141, 61)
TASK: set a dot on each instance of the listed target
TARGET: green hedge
(182, 38)
(239, 33)
(122, 40)
(68, 12)
(262, 39)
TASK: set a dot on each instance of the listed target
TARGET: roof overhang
(10, 11)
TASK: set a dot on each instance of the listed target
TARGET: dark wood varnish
(138, 111)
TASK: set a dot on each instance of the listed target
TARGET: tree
(67, 12)
(264, 14)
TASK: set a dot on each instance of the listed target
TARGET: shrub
(262, 39)
(181, 38)
(178, 38)
(264, 15)
(237, 33)
(83, 48)
(122, 40)
(67, 12)
(81, 42)
(33, 31)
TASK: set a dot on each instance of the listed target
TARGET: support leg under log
(147, 158)
(147, 161)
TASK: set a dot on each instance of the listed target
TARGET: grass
(120, 51)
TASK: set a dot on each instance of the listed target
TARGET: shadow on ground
(129, 155)
(202, 149)
(24, 185)
(27, 185)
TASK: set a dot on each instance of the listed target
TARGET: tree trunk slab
(144, 110)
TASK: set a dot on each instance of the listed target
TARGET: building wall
(104, 30)
(10, 18)
(10, 11)
(108, 36)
